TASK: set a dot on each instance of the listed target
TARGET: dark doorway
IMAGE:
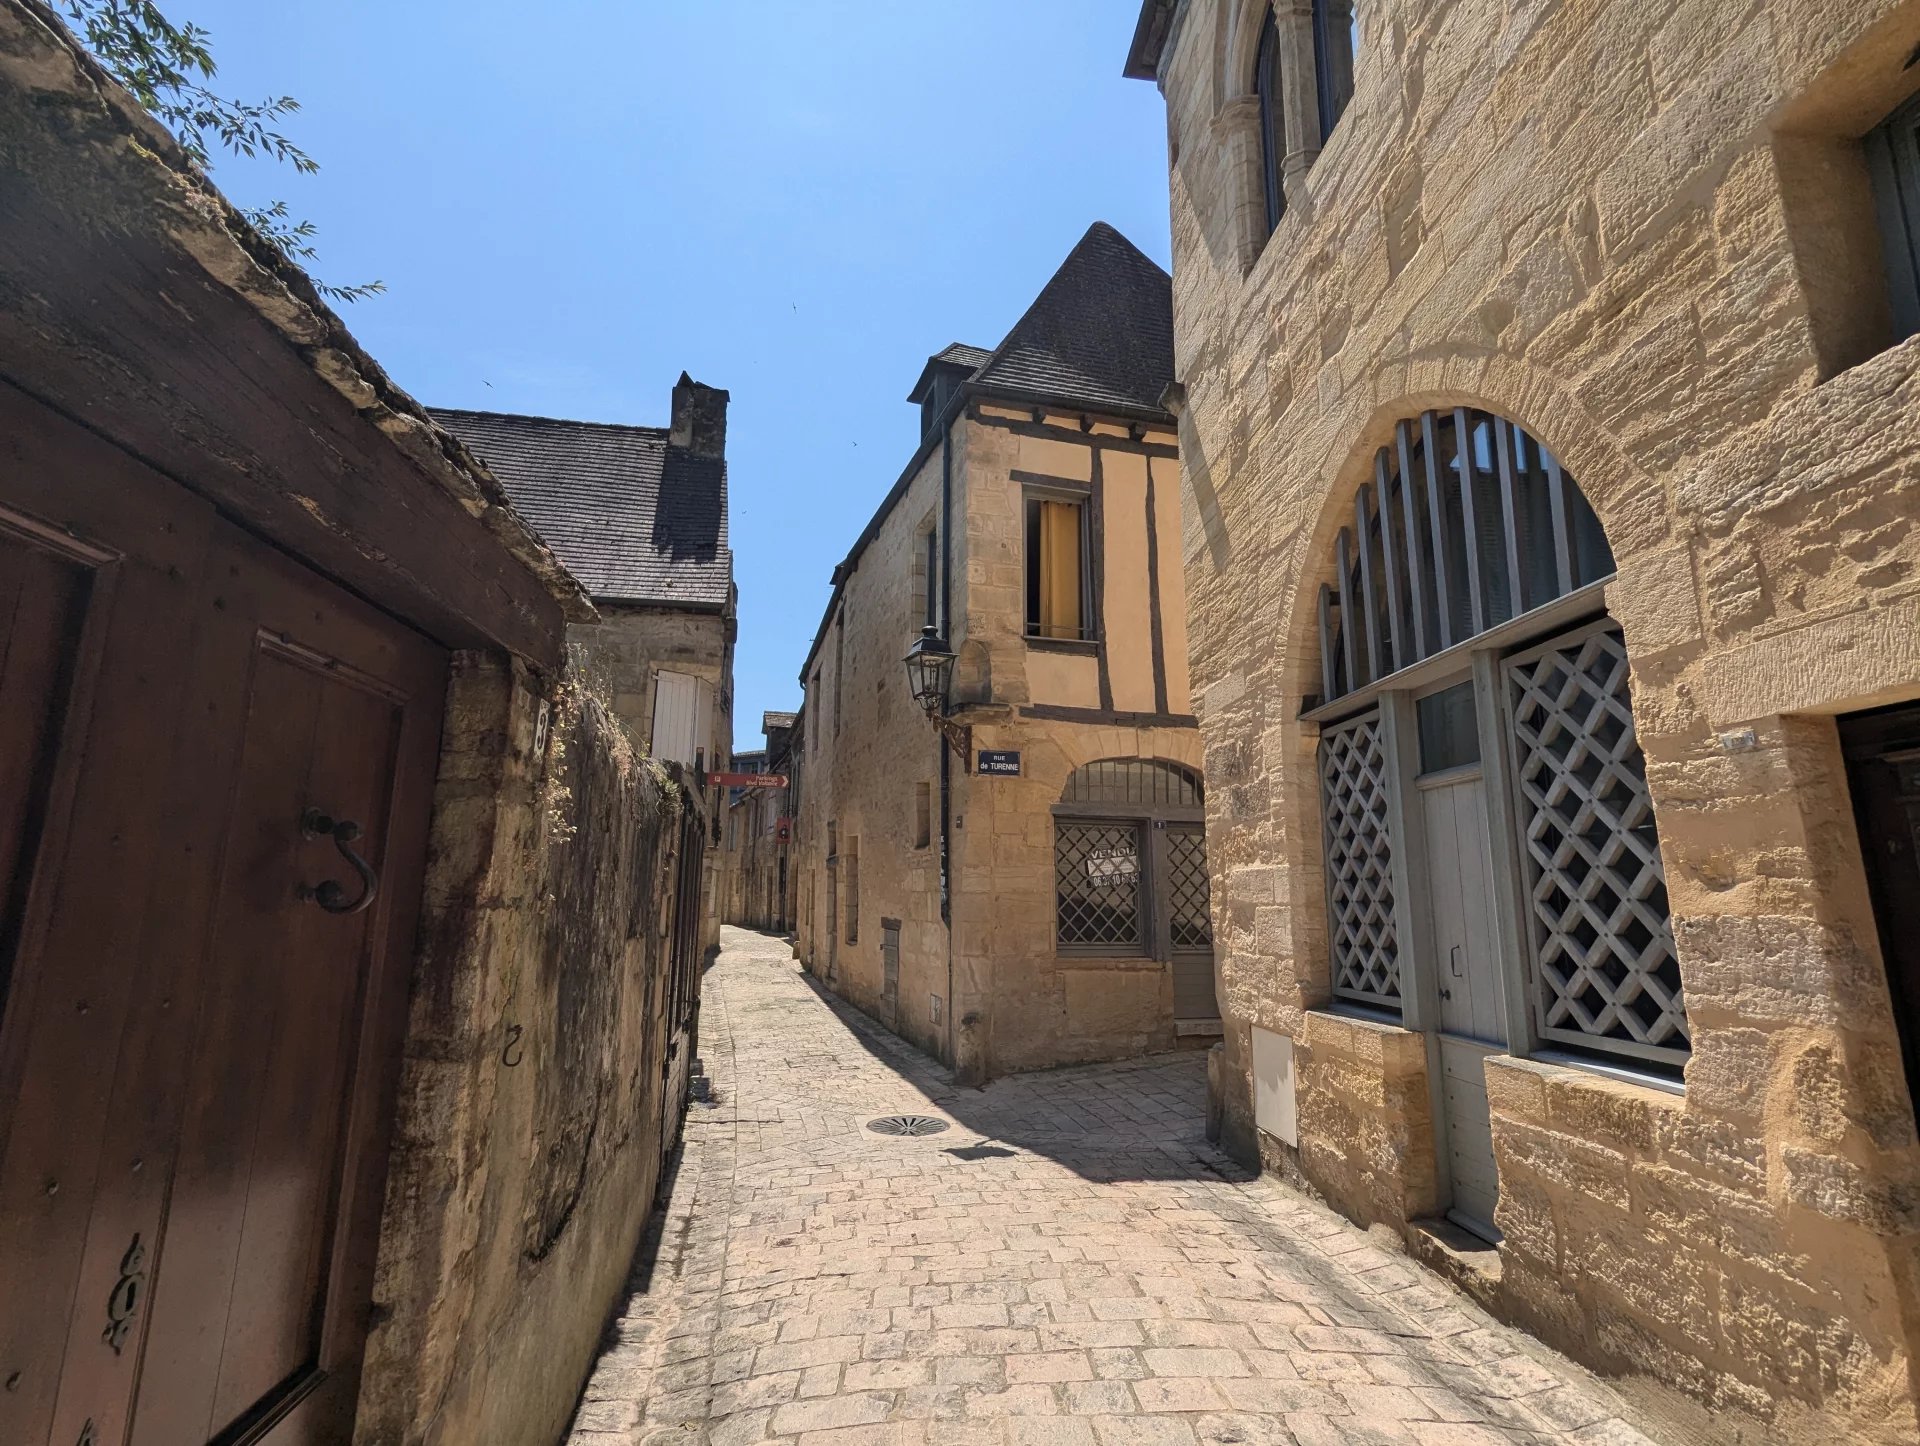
(1883, 771)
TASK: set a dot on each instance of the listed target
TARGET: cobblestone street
(1069, 1262)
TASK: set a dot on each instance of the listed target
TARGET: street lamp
(929, 677)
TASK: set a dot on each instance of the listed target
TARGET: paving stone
(1098, 1276)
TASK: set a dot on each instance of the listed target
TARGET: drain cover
(906, 1125)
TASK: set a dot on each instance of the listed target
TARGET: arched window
(1336, 40)
(1130, 872)
(1479, 717)
(1468, 523)
(1273, 149)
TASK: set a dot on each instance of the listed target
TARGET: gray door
(1189, 923)
(1460, 908)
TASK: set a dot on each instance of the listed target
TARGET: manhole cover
(906, 1125)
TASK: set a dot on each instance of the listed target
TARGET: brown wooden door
(196, 1061)
(1883, 770)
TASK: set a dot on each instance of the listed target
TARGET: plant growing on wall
(166, 67)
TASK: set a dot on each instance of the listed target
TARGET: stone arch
(1235, 46)
(1632, 508)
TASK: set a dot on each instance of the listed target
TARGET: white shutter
(675, 717)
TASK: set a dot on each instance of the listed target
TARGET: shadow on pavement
(1138, 1119)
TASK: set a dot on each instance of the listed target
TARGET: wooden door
(1883, 771)
(196, 1057)
(1460, 910)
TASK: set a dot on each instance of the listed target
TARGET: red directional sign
(748, 780)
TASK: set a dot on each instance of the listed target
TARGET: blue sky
(798, 202)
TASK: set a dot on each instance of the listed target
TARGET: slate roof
(634, 519)
(960, 354)
(1100, 334)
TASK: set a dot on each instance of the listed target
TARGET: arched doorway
(1493, 872)
(1130, 873)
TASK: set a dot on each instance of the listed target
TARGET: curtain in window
(1059, 570)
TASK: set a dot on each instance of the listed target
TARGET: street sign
(748, 780)
(1001, 761)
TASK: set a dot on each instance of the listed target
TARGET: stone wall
(866, 751)
(548, 1031)
(620, 657)
(1637, 228)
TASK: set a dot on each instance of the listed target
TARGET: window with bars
(1605, 973)
(1097, 867)
(1129, 861)
(1362, 933)
(1468, 523)
(1144, 783)
(1190, 918)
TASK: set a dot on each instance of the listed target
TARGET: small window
(852, 875)
(1449, 731)
(1893, 151)
(1057, 593)
(839, 664)
(1273, 136)
(922, 815)
(1336, 40)
(932, 613)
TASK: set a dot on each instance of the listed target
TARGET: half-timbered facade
(1033, 892)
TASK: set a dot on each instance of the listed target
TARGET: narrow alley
(1067, 1260)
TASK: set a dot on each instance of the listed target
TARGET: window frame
(1082, 498)
(1330, 104)
(1893, 159)
(1148, 818)
(1269, 91)
(922, 815)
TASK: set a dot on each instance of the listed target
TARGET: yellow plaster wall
(1126, 601)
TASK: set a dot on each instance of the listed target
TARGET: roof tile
(633, 518)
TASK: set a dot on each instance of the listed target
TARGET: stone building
(639, 515)
(757, 834)
(1551, 434)
(1041, 896)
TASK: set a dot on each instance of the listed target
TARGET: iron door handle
(328, 894)
(1453, 962)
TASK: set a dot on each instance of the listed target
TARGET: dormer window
(941, 380)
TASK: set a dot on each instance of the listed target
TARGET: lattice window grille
(1097, 877)
(1606, 974)
(1359, 860)
(1188, 899)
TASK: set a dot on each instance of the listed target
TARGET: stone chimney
(699, 418)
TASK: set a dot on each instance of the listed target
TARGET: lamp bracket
(959, 738)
